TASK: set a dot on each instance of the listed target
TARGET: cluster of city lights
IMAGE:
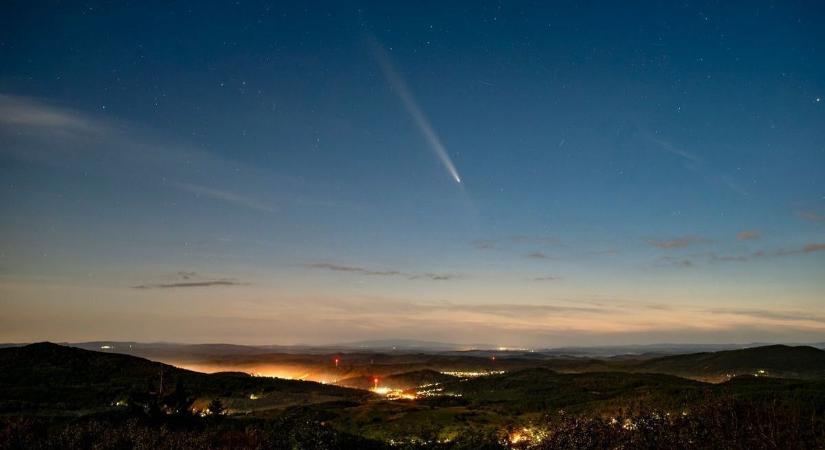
(393, 394)
(471, 374)
(433, 390)
(527, 436)
(758, 373)
(424, 390)
(515, 349)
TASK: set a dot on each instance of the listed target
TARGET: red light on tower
(337, 361)
(375, 382)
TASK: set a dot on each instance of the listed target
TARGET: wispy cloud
(433, 276)
(39, 132)
(805, 249)
(695, 163)
(725, 258)
(811, 216)
(520, 310)
(493, 309)
(714, 257)
(68, 138)
(546, 278)
(188, 284)
(673, 149)
(381, 272)
(517, 239)
(352, 269)
(34, 131)
(538, 323)
(225, 196)
(537, 255)
(748, 235)
(483, 244)
(546, 240)
(680, 242)
(607, 252)
(673, 261)
(769, 314)
(25, 112)
(188, 279)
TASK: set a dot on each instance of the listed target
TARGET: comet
(396, 81)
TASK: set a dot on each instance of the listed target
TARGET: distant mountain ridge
(133, 347)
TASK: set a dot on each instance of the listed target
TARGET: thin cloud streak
(189, 279)
(753, 256)
(805, 249)
(811, 216)
(546, 278)
(696, 164)
(388, 272)
(748, 235)
(770, 314)
(37, 131)
(808, 248)
(22, 111)
(483, 244)
(672, 149)
(672, 261)
(225, 196)
(608, 252)
(486, 244)
(188, 284)
(618, 318)
(352, 269)
(680, 242)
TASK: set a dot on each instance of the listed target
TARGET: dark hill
(51, 377)
(773, 360)
(545, 390)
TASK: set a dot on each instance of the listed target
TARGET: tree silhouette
(180, 400)
(216, 407)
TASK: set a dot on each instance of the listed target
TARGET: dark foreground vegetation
(718, 424)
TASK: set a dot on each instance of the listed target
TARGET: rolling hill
(541, 389)
(780, 361)
(51, 377)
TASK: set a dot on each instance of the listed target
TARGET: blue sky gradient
(253, 172)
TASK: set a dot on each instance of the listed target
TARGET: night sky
(516, 174)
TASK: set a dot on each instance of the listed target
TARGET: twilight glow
(626, 173)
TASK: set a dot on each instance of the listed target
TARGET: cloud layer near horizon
(191, 314)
